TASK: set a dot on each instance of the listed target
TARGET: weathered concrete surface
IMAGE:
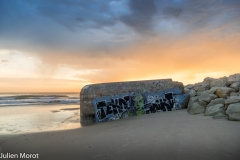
(90, 92)
(126, 105)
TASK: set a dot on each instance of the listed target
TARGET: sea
(36, 112)
(24, 99)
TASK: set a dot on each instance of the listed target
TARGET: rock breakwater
(215, 97)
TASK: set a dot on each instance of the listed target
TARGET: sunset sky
(60, 46)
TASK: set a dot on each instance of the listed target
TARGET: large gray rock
(212, 90)
(203, 103)
(93, 91)
(199, 93)
(219, 116)
(234, 97)
(192, 93)
(208, 80)
(186, 90)
(216, 101)
(234, 94)
(234, 78)
(233, 112)
(206, 97)
(231, 101)
(201, 86)
(223, 92)
(196, 108)
(235, 86)
(213, 110)
(220, 82)
(192, 100)
(189, 86)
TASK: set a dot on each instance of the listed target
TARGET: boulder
(234, 94)
(223, 92)
(93, 91)
(201, 86)
(189, 86)
(203, 103)
(199, 93)
(196, 108)
(192, 100)
(231, 101)
(220, 82)
(233, 112)
(191, 92)
(219, 116)
(235, 86)
(216, 101)
(208, 80)
(233, 78)
(234, 97)
(206, 97)
(213, 110)
(212, 90)
(186, 90)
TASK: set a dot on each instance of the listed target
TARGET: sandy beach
(168, 135)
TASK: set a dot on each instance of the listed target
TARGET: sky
(63, 45)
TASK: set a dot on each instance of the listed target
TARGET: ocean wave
(33, 96)
(20, 100)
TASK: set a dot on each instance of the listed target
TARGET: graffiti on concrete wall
(134, 104)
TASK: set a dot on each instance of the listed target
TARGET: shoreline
(54, 104)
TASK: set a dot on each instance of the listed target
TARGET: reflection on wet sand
(28, 119)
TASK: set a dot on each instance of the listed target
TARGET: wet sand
(36, 118)
(173, 135)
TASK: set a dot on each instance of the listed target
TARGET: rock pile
(216, 97)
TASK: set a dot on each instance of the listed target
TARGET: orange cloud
(189, 60)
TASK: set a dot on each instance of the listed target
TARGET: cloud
(127, 39)
(4, 61)
(40, 85)
(78, 14)
(142, 12)
(106, 25)
(172, 11)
